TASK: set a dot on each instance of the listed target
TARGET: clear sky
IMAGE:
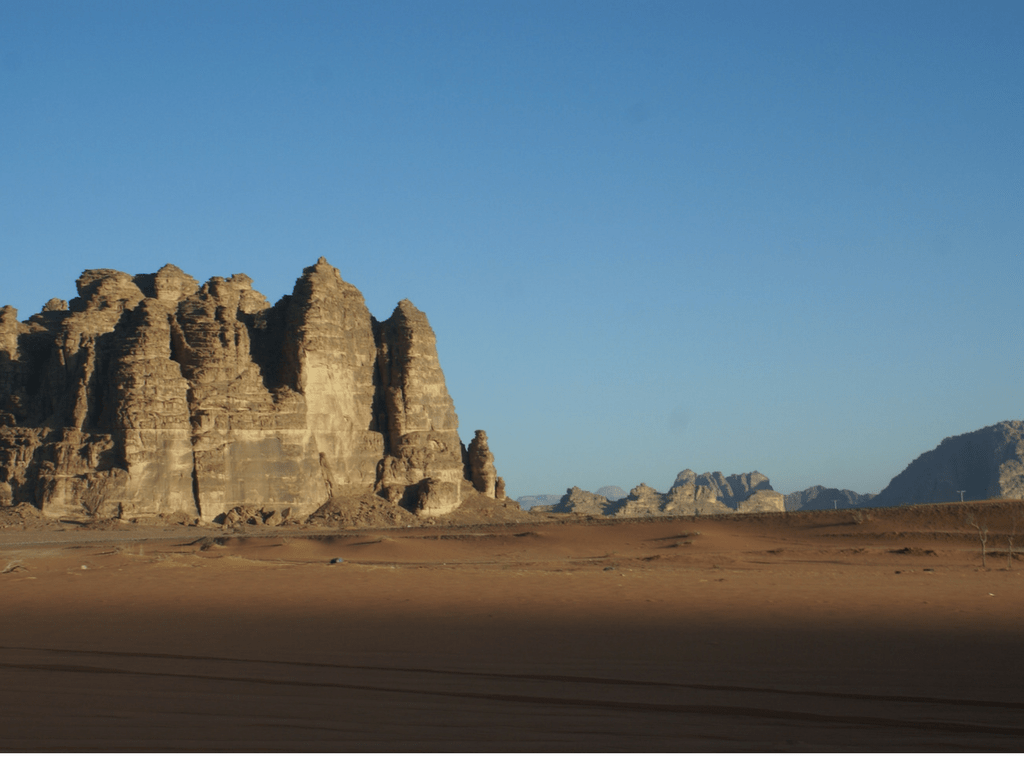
(775, 236)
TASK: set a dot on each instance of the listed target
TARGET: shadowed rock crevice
(153, 395)
(268, 345)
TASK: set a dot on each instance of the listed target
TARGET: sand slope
(798, 632)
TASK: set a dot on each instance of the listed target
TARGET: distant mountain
(709, 494)
(820, 497)
(986, 464)
(611, 492)
(731, 490)
(580, 502)
(542, 500)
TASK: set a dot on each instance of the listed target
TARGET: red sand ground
(798, 632)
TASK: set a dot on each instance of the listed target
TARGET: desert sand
(798, 632)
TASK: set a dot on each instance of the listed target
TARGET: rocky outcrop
(746, 493)
(579, 502)
(153, 395)
(691, 498)
(986, 464)
(732, 490)
(608, 492)
(425, 465)
(709, 494)
(642, 501)
(820, 497)
(481, 466)
(762, 501)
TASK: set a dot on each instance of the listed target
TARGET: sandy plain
(798, 632)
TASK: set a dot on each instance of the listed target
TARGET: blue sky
(735, 236)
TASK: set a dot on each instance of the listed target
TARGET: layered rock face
(986, 464)
(153, 395)
(426, 463)
(749, 492)
(642, 501)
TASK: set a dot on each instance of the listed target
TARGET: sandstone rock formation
(985, 464)
(608, 492)
(820, 497)
(642, 501)
(425, 457)
(692, 494)
(153, 395)
(481, 466)
(750, 492)
(694, 498)
(580, 502)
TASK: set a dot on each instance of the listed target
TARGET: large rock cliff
(152, 395)
(985, 464)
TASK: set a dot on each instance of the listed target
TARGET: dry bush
(1014, 519)
(981, 526)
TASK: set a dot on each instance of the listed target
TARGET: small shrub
(982, 528)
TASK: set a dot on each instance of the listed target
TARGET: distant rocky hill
(751, 489)
(612, 492)
(985, 464)
(540, 500)
(820, 497)
(691, 494)
(151, 394)
(607, 492)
